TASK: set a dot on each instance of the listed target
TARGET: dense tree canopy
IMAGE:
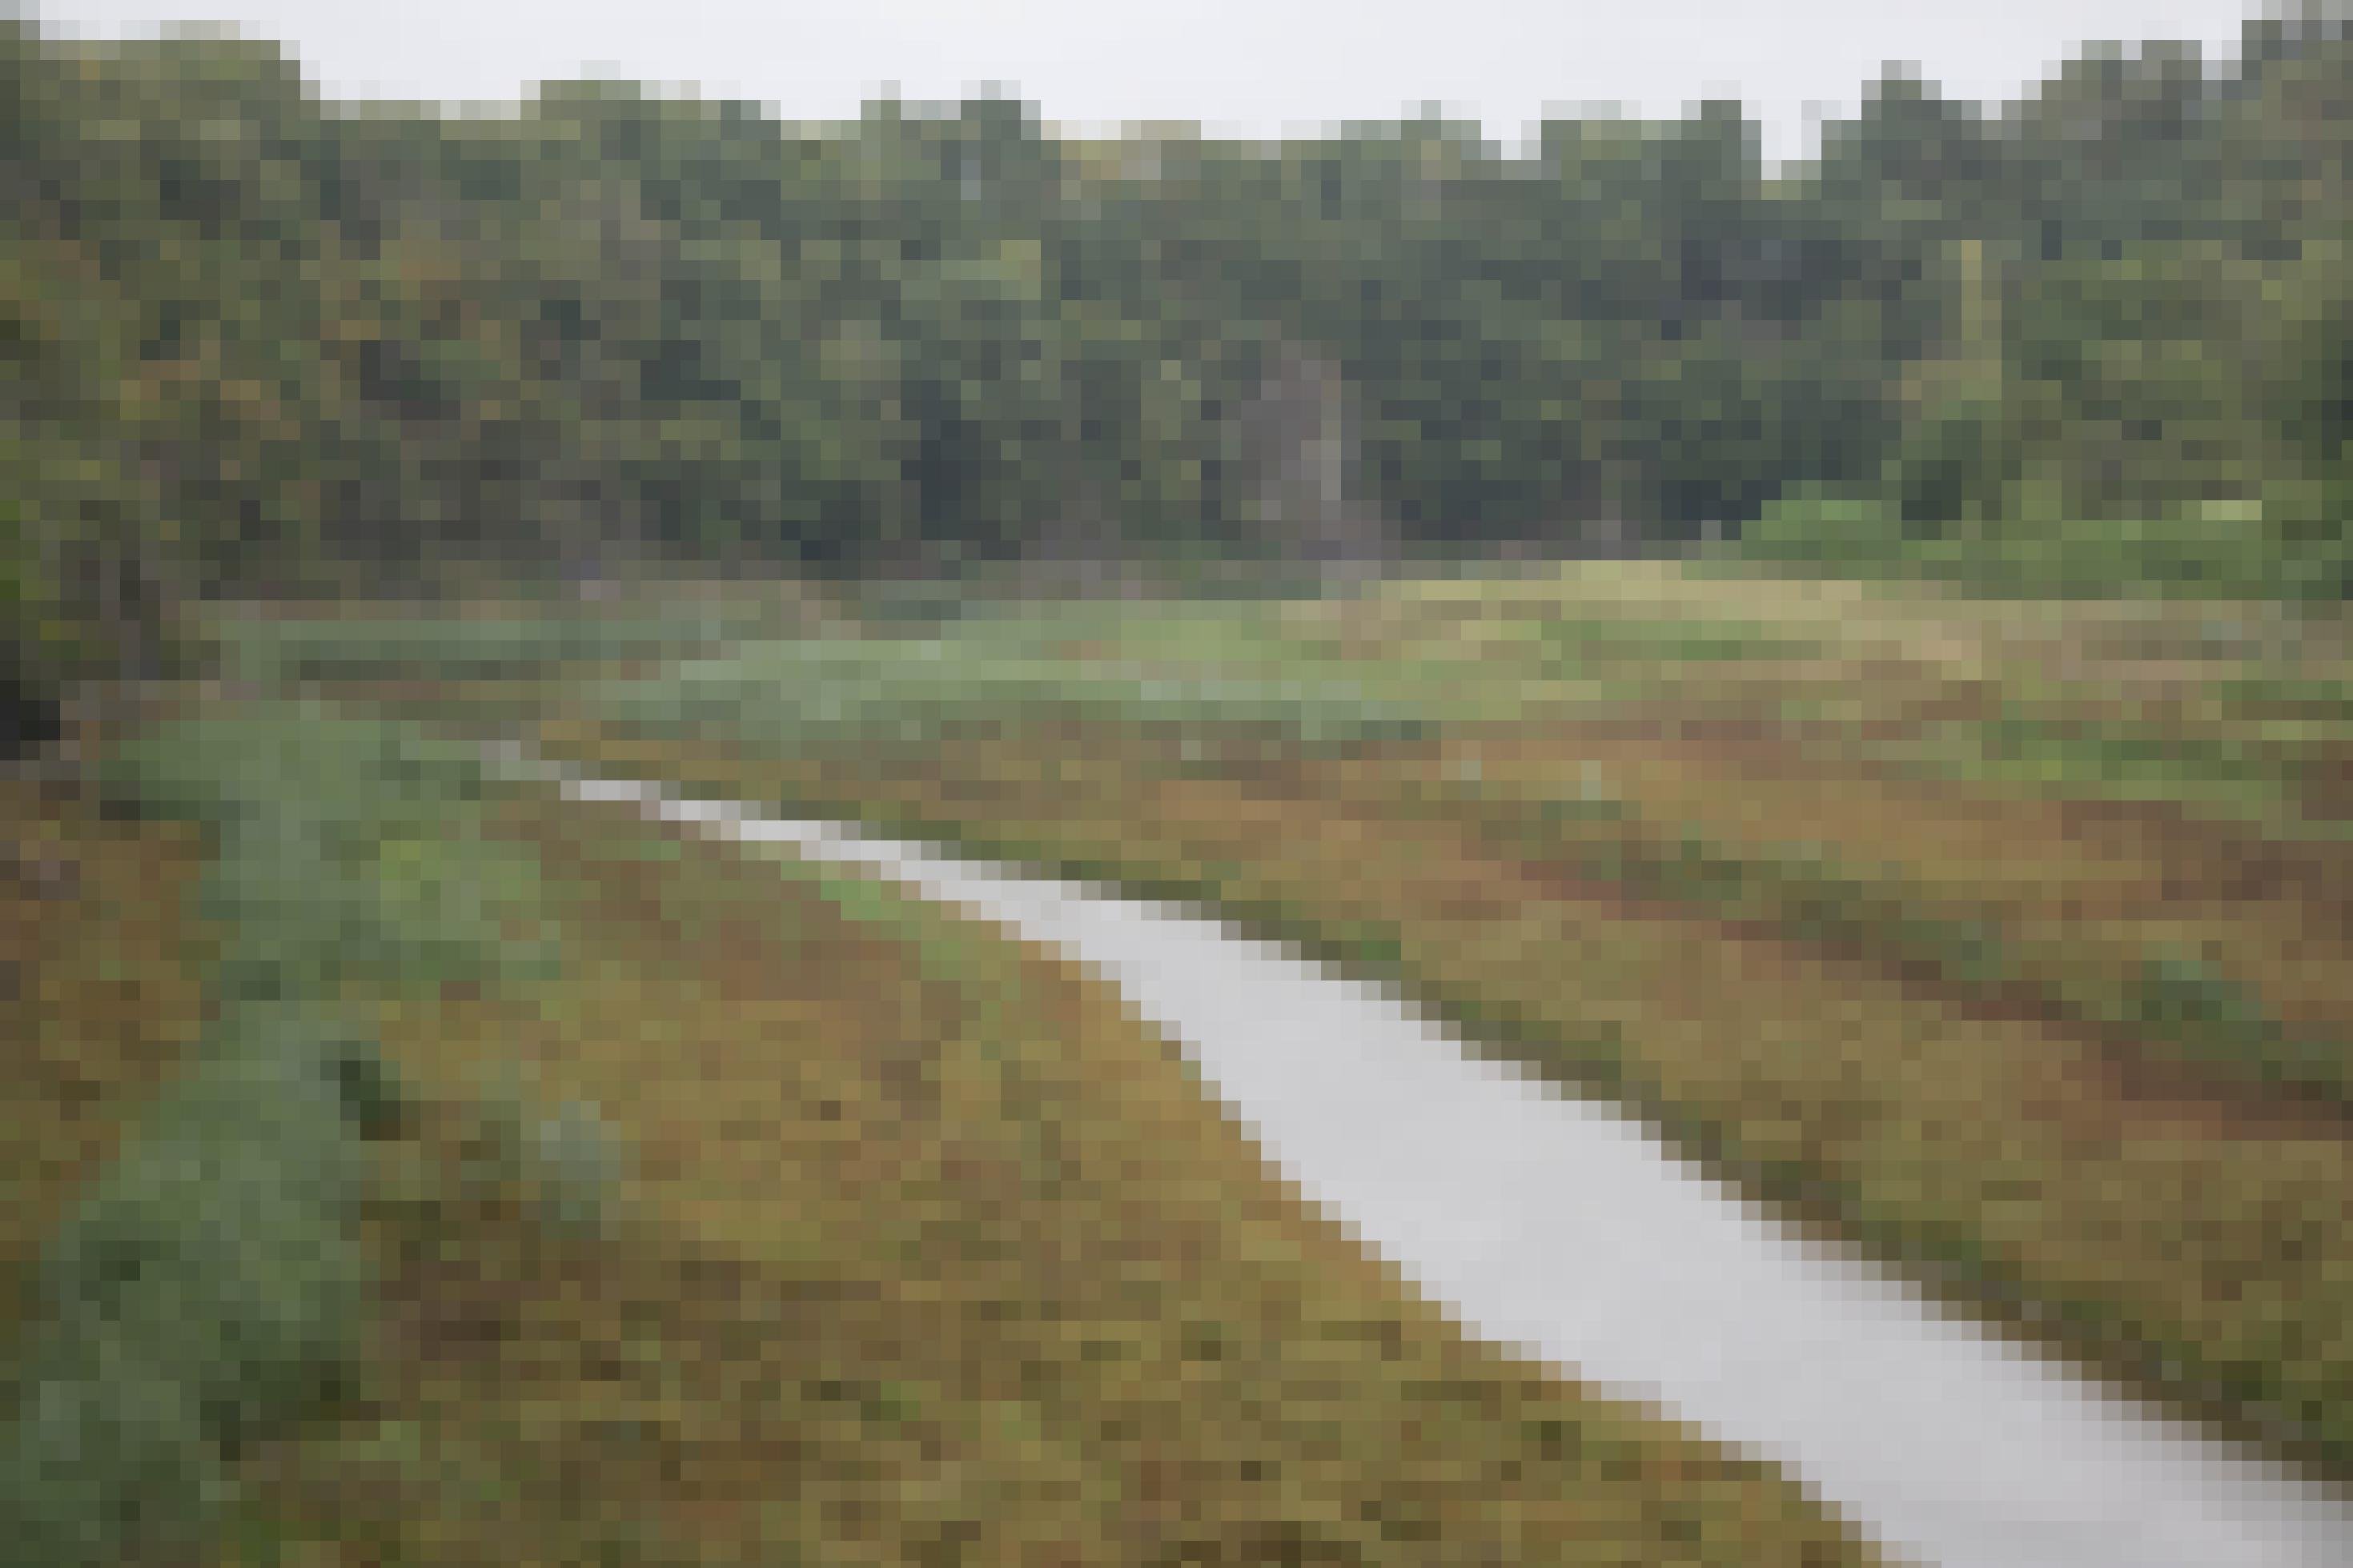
(253, 340)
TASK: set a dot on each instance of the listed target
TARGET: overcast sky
(1252, 68)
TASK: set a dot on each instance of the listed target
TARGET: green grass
(473, 648)
(210, 1289)
(1277, 668)
(1501, 658)
(2290, 699)
(2214, 553)
(909, 693)
(348, 851)
(222, 768)
(1260, 668)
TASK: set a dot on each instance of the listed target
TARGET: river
(1559, 1226)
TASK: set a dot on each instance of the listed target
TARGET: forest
(258, 343)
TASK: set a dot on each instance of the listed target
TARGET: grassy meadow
(685, 1204)
(604, 1194)
(2009, 937)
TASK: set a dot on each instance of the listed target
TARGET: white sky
(1251, 67)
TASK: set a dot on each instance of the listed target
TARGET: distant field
(499, 639)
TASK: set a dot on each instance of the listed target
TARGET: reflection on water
(1556, 1226)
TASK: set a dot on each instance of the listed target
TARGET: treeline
(253, 342)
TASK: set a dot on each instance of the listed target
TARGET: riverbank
(1553, 1225)
(912, 1241)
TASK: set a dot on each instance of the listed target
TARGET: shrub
(218, 1245)
(207, 1290)
(305, 912)
(363, 775)
(308, 1044)
(571, 1164)
(107, 1458)
(575, 1168)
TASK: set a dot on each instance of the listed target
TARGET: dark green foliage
(249, 341)
(206, 1290)
(29, 715)
(373, 1099)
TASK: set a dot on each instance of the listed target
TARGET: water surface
(1558, 1226)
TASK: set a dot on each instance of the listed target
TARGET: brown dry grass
(100, 993)
(2179, 1229)
(2141, 649)
(2171, 1225)
(929, 1263)
(2077, 884)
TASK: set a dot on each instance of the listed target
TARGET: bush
(574, 1169)
(347, 849)
(207, 1290)
(218, 1246)
(311, 1047)
(255, 1313)
(570, 1165)
(362, 776)
(305, 910)
(107, 1459)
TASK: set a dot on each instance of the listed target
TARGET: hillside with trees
(258, 343)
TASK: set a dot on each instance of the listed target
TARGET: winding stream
(1555, 1224)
